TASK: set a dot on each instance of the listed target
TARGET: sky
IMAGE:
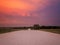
(29, 12)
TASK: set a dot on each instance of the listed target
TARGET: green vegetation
(6, 29)
(52, 30)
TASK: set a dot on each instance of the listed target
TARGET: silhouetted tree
(36, 26)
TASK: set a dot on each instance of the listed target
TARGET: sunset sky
(29, 12)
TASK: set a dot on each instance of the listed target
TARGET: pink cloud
(25, 8)
(21, 7)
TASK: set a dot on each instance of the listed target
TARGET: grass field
(52, 30)
(47, 30)
(6, 30)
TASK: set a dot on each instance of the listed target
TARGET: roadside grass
(52, 30)
(6, 30)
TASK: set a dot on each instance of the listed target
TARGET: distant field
(6, 30)
(52, 30)
(48, 30)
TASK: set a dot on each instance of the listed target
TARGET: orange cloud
(16, 4)
(9, 10)
(21, 7)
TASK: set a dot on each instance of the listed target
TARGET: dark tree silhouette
(36, 26)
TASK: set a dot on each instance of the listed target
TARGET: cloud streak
(21, 7)
(28, 12)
